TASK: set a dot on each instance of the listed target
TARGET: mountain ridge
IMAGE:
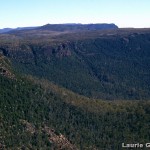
(110, 64)
(76, 27)
(74, 90)
(63, 27)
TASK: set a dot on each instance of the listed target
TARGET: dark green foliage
(106, 126)
(109, 67)
(97, 65)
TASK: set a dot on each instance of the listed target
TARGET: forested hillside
(75, 91)
(36, 114)
(100, 64)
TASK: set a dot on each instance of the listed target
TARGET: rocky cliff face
(32, 53)
(109, 65)
(5, 67)
(38, 114)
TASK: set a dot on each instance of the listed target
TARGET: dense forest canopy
(65, 90)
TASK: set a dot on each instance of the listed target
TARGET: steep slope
(112, 64)
(5, 67)
(36, 114)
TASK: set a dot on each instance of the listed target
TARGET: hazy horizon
(73, 23)
(28, 13)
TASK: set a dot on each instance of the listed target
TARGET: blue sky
(124, 13)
